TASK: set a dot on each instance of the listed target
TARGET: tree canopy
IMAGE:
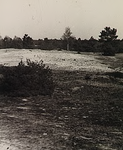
(67, 36)
(67, 33)
(108, 34)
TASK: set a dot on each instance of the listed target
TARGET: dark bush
(115, 74)
(108, 50)
(32, 78)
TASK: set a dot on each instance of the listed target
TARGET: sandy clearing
(60, 60)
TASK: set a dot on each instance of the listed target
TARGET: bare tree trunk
(67, 46)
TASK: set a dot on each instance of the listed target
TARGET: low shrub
(115, 74)
(26, 79)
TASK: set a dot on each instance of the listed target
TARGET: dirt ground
(56, 60)
(84, 113)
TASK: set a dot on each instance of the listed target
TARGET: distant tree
(27, 42)
(46, 43)
(77, 45)
(67, 36)
(107, 37)
(7, 42)
(92, 39)
(120, 46)
(17, 42)
(108, 34)
(1, 42)
(92, 44)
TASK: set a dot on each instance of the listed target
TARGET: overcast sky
(48, 18)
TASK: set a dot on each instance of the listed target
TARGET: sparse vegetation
(85, 110)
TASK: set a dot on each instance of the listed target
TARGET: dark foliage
(107, 37)
(17, 43)
(7, 42)
(27, 42)
(25, 80)
(115, 74)
(108, 34)
(108, 49)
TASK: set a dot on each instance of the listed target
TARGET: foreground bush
(32, 78)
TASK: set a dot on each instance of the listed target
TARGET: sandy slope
(55, 59)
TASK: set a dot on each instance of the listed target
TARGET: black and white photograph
(61, 74)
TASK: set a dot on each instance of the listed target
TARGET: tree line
(107, 43)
